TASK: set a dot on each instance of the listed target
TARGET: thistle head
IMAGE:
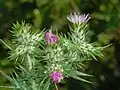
(50, 38)
(77, 18)
(56, 76)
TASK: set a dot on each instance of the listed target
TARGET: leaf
(30, 63)
(8, 77)
(12, 80)
(6, 44)
(75, 76)
(47, 85)
(43, 81)
(79, 78)
(82, 74)
(7, 87)
(15, 82)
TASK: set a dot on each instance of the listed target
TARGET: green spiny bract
(25, 44)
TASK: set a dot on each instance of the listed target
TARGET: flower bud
(56, 76)
(50, 38)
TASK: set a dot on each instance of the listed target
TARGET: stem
(56, 86)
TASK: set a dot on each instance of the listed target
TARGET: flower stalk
(56, 86)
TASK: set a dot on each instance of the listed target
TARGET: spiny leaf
(8, 87)
(82, 74)
(79, 78)
(75, 76)
(30, 62)
(8, 77)
(47, 85)
(6, 44)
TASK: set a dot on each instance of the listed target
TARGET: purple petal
(56, 76)
(78, 18)
(50, 38)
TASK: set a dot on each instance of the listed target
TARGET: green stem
(56, 86)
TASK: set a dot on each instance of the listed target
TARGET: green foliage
(44, 13)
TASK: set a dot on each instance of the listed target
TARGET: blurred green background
(104, 25)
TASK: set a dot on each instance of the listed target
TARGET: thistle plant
(45, 59)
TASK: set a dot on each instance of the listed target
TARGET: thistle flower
(50, 38)
(77, 18)
(56, 76)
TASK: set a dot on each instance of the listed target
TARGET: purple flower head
(56, 76)
(77, 18)
(50, 38)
